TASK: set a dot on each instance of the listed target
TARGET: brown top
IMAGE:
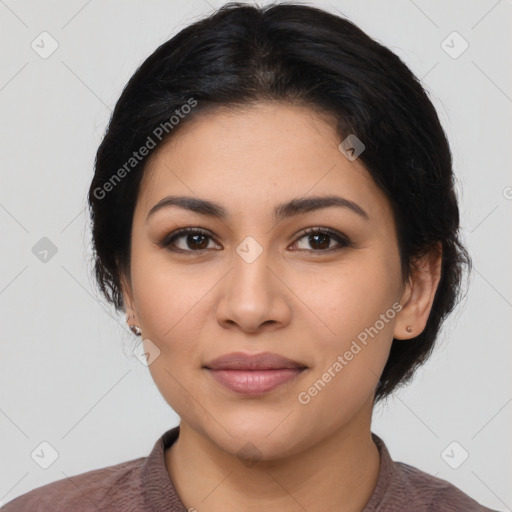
(143, 485)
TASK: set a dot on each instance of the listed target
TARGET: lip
(254, 382)
(261, 361)
(253, 374)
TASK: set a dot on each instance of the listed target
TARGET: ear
(418, 295)
(127, 292)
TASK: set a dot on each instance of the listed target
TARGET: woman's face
(255, 282)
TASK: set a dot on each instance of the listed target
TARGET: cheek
(354, 307)
(169, 299)
(172, 307)
(350, 297)
(161, 287)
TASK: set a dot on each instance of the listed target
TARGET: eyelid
(342, 240)
(165, 242)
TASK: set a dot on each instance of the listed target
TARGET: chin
(254, 438)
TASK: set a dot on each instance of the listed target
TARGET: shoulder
(116, 487)
(401, 486)
(432, 494)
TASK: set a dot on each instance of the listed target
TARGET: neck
(341, 469)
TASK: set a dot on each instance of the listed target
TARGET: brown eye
(320, 239)
(194, 240)
(197, 240)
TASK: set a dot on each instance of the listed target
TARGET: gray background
(67, 374)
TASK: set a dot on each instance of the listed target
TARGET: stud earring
(409, 328)
(134, 328)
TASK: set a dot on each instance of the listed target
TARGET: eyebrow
(296, 206)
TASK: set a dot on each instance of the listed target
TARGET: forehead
(257, 156)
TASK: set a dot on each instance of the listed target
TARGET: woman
(273, 207)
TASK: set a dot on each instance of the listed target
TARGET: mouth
(253, 374)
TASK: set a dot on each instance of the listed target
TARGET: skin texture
(299, 302)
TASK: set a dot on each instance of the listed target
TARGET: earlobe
(133, 327)
(419, 294)
(403, 326)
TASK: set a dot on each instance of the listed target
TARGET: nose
(253, 296)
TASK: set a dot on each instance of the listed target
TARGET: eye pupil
(194, 245)
(323, 237)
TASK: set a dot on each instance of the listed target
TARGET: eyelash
(167, 241)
